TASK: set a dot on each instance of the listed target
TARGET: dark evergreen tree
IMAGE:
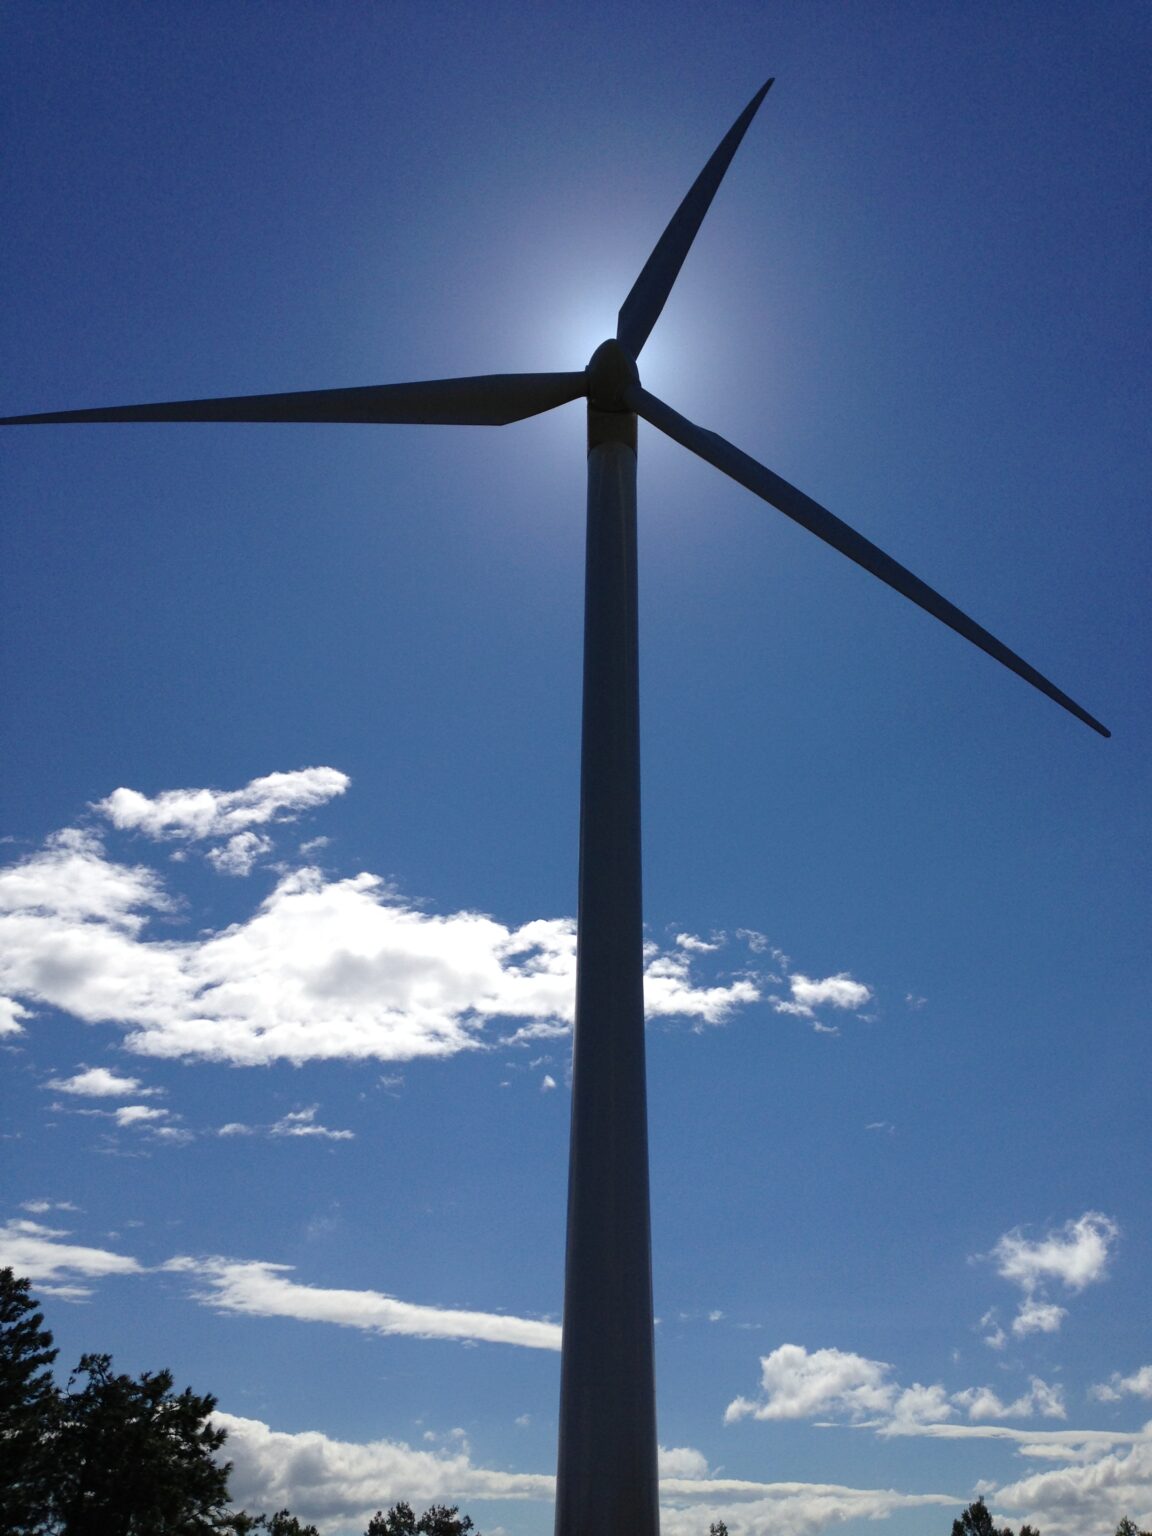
(443, 1520)
(717, 1528)
(399, 1521)
(280, 1524)
(135, 1459)
(437, 1520)
(976, 1521)
(28, 1404)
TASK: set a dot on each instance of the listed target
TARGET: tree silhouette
(135, 1459)
(976, 1521)
(28, 1400)
(437, 1520)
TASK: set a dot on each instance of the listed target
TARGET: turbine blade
(641, 309)
(809, 514)
(489, 400)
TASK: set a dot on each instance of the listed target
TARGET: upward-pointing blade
(641, 309)
(818, 520)
(489, 400)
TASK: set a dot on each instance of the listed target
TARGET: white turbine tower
(606, 1479)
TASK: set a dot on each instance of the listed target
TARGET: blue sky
(291, 733)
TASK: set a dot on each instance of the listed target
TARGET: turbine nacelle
(611, 371)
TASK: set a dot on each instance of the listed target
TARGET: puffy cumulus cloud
(984, 1403)
(258, 1289)
(1038, 1317)
(807, 994)
(327, 1480)
(323, 969)
(681, 1461)
(798, 1384)
(1092, 1495)
(55, 1266)
(339, 1483)
(12, 1016)
(779, 1509)
(239, 853)
(99, 1083)
(197, 814)
(71, 880)
(1074, 1255)
(1139, 1384)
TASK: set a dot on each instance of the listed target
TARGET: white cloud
(697, 945)
(681, 1461)
(779, 1509)
(138, 1114)
(195, 814)
(1038, 1317)
(669, 991)
(323, 969)
(100, 1083)
(807, 994)
(42, 1207)
(797, 1385)
(340, 1483)
(548, 1084)
(323, 1479)
(261, 1290)
(1076, 1254)
(37, 1252)
(1092, 1496)
(302, 1122)
(70, 879)
(1139, 1384)
(983, 1402)
(239, 853)
(994, 1337)
(12, 1015)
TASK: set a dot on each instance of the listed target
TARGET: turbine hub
(610, 371)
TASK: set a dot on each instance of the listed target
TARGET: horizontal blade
(641, 309)
(490, 400)
(809, 514)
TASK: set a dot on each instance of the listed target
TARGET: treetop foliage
(116, 1455)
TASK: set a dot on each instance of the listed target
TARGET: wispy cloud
(302, 1122)
(263, 1290)
(1139, 1384)
(198, 814)
(39, 1253)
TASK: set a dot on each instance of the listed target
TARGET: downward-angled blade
(641, 309)
(489, 400)
(809, 514)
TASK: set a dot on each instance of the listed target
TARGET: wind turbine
(607, 1475)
